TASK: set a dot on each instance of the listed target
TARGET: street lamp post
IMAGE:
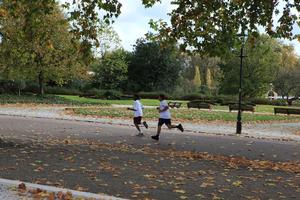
(239, 116)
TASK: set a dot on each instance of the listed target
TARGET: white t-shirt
(166, 114)
(138, 107)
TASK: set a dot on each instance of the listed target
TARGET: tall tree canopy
(111, 70)
(260, 68)
(202, 25)
(37, 44)
(153, 68)
(197, 23)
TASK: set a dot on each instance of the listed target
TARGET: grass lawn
(145, 102)
(258, 108)
(182, 114)
(192, 115)
(47, 99)
(154, 102)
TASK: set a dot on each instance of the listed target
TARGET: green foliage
(37, 44)
(287, 81)
(213, 26)
(275, 102)
(86, 18)
(150, 95)
(260, 67)
(62, 90)
(153, 67)
(197, 77)
(111, 71)
(209, 69)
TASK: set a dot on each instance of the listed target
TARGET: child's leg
(158, 130)
(137, 123)
(169, 124)
(179, 126)
(172, 126)
(138, 127)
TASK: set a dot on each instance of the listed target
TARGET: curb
(76, 194)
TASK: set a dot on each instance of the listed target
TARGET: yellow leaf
(179, 191)
(237, 183)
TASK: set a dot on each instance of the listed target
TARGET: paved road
(279, 130)
(109, 159)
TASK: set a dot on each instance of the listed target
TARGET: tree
(208, 78)
(153, 68)
(197, 77)
(213, 26)
(38, 44)
(198, 23)
(260, 68)
(108, 39)
(287, 82)
(111, 71)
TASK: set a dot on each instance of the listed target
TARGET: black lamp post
(239, 116)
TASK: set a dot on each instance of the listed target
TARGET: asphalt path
(110, 159)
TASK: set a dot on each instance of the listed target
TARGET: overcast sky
(133, 21)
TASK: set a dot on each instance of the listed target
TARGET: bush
(31, 87)
(193, 96)
(8, 86)
(62, 91)
(151, 95)
(103, 94)
(275, 102)
(112, 94)
(296, 103)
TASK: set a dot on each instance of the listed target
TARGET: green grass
(258, 108)
(47, 99)
(185, 115)
(145, 102)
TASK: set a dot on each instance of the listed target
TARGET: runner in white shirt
(138, 114)
(164, 117)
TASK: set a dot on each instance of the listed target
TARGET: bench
(250, 108)
(288, 111)
(199, 105)
(173, 104)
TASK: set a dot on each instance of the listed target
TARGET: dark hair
(162, 96)
(136, 97)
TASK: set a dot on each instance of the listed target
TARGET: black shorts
(137, 120)
(162, 121)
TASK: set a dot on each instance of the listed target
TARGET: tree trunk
(19, 88)
(41, 83)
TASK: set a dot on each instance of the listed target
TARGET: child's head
(136, 97)
(161, 97)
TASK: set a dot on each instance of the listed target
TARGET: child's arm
(131, 109)
(164, 109)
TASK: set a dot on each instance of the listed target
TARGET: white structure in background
(271, 94)
(91, 73)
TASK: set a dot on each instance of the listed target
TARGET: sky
(133, 21)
